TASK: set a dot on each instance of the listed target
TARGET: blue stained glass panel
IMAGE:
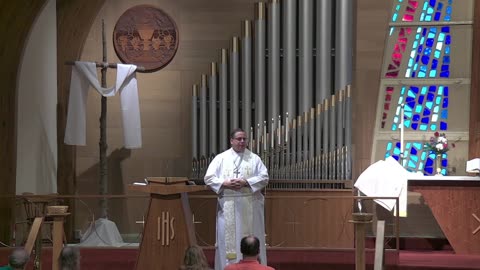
(430, 42)
(441, 37)
(429, 162)
(440, 6)
(412, 164)
(414, 126)
(444, 162)
(444, 114)
(448, 40)
(435, 63)
(443, 125)
(426, 112)
(420, 99)
(425, 120)
(425, 59)
(445, 103)
(418, 109)
(449, 10)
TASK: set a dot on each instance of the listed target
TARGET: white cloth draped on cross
(84, 74)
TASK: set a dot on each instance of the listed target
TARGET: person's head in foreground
(250, 247)
(69, 259)
(18, 258)
(194, 259)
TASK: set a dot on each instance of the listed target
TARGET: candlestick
(286, 127)
(272, 133)
(402, 125)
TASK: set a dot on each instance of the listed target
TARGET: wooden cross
(103, 181)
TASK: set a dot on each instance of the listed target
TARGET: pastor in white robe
(239, 212)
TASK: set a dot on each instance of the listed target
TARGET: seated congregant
(69, 259)
(194, 259)
(250, 248)
(17, 260)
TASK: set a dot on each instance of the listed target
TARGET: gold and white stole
(244, 197)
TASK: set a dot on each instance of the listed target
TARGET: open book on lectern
(473, 166)
(385, 178)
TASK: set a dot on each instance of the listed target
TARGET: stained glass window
(421, 76)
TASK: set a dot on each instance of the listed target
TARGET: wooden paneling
(474, 135)
(16, 19)
(456, 208)
(372, 19)
(292, 219)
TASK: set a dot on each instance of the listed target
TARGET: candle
(258, 138)
(264, 135)
(272, 133)
(402, 125)
(278, 129)
(286, 127)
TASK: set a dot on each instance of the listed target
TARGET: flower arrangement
(438, 144)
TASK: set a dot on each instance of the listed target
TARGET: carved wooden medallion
(145, 36)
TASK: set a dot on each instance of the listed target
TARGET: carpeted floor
(282, 259)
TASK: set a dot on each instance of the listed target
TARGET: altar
(455, 204)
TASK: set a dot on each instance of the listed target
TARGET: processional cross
(103, 180)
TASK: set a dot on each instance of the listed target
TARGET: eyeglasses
(241, 139)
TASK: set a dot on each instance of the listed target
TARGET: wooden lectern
(168, 230)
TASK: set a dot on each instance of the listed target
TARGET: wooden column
(360, 220)
(58, 236)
